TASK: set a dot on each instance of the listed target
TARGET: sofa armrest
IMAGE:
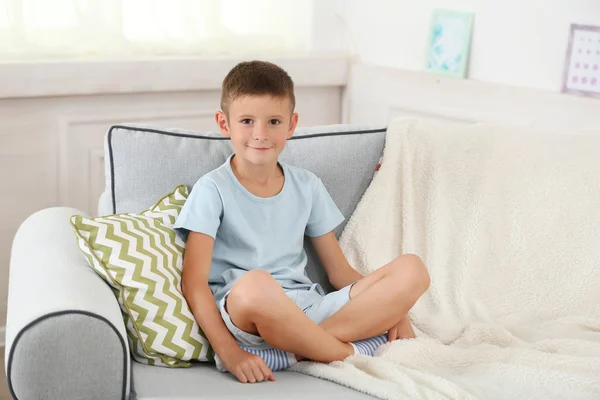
(65, 336)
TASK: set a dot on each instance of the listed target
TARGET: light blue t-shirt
(253, 232)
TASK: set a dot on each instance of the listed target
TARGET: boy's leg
(257, 304)
(380, 300)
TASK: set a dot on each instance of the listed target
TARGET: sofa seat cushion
(203, 381)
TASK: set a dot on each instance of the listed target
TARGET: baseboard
(2, 336)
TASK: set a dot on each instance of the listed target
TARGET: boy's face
(259, 127)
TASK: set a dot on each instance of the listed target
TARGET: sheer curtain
(133, 28)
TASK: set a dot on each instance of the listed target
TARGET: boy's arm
(338, 270)
(194, 285)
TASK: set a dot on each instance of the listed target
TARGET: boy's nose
(259, 133)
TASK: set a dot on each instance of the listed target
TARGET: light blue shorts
(313, 301)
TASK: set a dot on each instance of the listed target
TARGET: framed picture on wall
(449, 43)
(582, 63)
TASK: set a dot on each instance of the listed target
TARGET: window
(42, 29)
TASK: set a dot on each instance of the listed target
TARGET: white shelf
(72, 78)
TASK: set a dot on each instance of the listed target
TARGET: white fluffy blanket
(508, 224)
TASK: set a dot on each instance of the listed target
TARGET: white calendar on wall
(582, 64)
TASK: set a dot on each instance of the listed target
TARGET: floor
(3, 385)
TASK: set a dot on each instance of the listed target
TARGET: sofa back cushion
(145, 162)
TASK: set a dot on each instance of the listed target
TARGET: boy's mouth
(260, 148)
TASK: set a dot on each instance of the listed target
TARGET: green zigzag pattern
(133, 340)
(154, 338)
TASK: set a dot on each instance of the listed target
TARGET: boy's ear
(221, 119)
(293, 124)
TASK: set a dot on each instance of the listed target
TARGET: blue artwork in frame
(449, 43)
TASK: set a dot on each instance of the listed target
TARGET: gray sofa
(65, 335)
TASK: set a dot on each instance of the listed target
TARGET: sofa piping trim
(161, 132)
(58, 314)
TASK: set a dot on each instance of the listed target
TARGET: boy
(244, 268)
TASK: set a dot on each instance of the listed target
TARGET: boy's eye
(274, 122)
(246, 121)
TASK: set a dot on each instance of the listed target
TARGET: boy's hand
(402, 330)
(247, 367)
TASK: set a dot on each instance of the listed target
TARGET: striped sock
(367, 347)
(275, 359)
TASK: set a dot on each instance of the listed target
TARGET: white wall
(516, 63)
(515, 42)
(377, 95)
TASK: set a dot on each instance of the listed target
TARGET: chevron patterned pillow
(140, 256)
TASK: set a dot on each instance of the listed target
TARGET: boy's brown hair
(256, 78)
